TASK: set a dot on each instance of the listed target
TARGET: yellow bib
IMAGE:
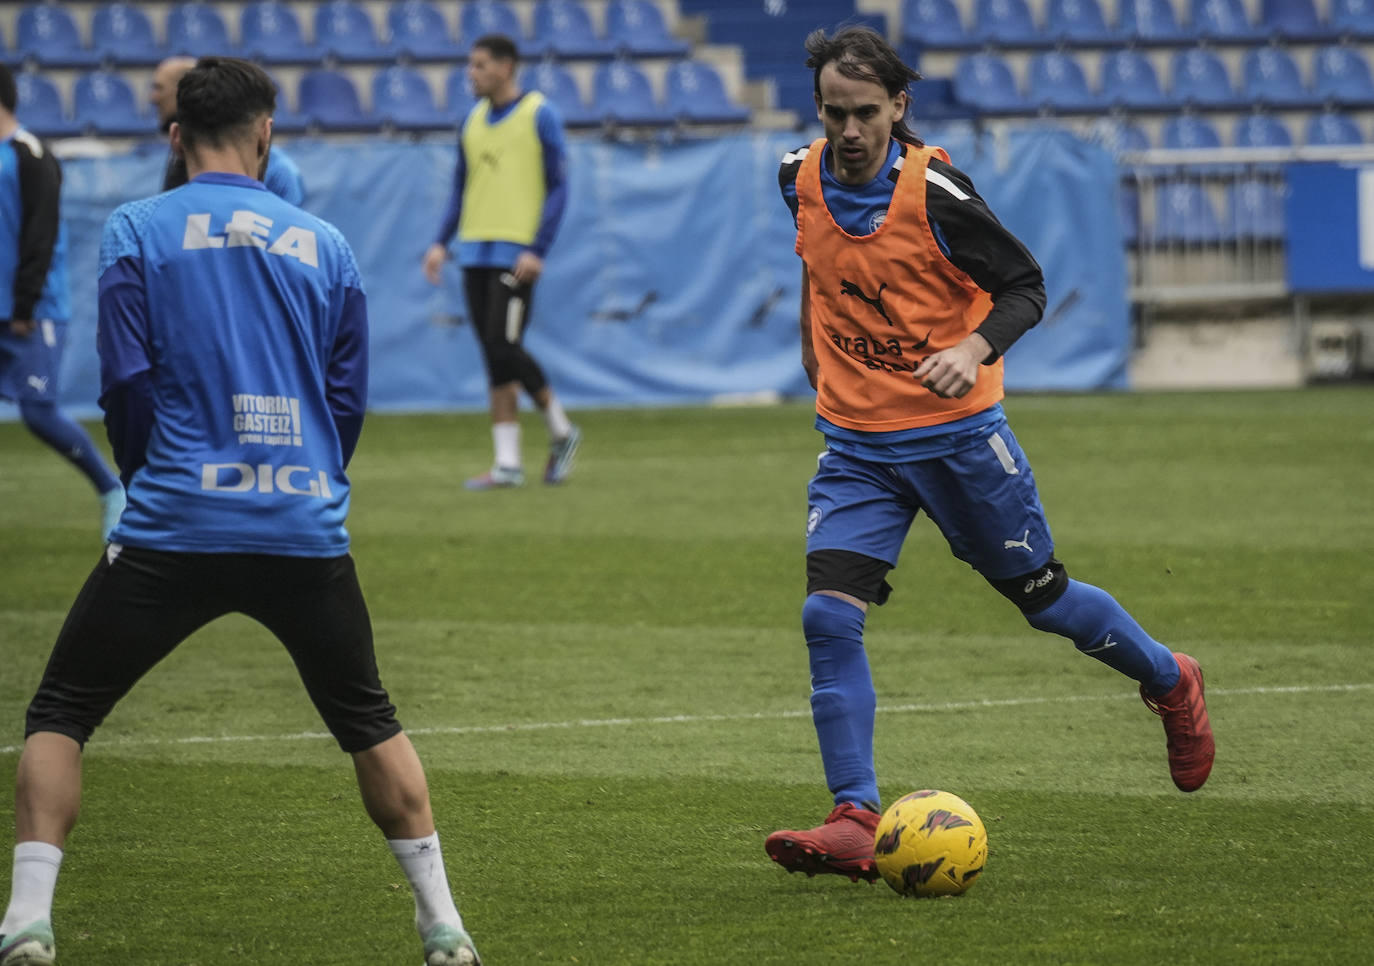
(503, 194)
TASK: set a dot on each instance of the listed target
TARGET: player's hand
(23, 328)
(433, 264)
(528, 268)
(951, 373)
(808, 359)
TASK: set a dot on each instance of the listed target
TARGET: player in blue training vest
(34, 305)
(233, 345)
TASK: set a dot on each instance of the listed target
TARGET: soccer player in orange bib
(912, 290)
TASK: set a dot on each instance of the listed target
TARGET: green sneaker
(445, 945)
(33, 946)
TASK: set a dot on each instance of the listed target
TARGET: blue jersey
(237, 324)
(33, 241)
(283, 177)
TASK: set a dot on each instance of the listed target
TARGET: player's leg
(564, 437)
(486, 296)
(135, 607)
(988, 507)
(28, 374)
(316, 608)
(857, 519)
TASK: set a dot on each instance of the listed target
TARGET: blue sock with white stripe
(48, 423)
(843, 702)
(1101, 628)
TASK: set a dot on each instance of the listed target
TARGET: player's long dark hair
(860, 53)
(219, 97)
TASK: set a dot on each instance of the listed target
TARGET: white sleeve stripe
(936, 177)
(793, 156)
(898, 164)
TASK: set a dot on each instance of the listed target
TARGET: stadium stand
(270, 31)
(1261, 131)
(1149, 22)
(1342, 76)
(330, 100)
(345, 31)
(1254, 210)
(1331, 129)
(1184, 214)
(1271, 77)
(1198, 78)
(418, 31)
(1222, 21)
(985, 81)
(564, 28)
(1129, 80)
(1078, 22)
(636, 28)
(122, 34)
(40, 106)
(1353, 18)
(934, 24)
(47, 33)
(695, 94)
(1056, 81)
(1188, 132)
(1006, 22)
(402, 98)
(494, 17)
(197, 29)
(104, 102)
(560, 87)
(621, 94)
(1294, 20)
(458, 99)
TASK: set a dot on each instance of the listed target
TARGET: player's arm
(346, 375)
(437, 253)
(808, 350)
(977, 243)
(549, 126)
(40, 190)
(124, 345)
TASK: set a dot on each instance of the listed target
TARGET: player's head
(226, 103)
(861, 94)
(163, 92)
(492, 64)
(9, 94)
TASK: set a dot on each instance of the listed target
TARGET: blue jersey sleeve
(455, 202)
(549, 125)
(346, 376)
(283, 177)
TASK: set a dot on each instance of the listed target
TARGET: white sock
(505, 437)
(556, 419)
(35, 880)
(423, 863)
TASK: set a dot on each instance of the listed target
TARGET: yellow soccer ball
(930, 843)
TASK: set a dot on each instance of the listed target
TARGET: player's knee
(503, 363)
(828, 618)
(1035, 591)
(37, 413)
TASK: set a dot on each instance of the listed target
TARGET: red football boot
(1186, 727)
(842, 846)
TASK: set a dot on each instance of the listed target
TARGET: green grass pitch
(609, 689)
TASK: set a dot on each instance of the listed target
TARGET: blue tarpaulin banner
(673, 278)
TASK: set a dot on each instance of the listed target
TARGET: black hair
(860, 53)
(9, 94)
(498, 45)
(220, 98)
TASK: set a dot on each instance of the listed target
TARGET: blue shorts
(982, 497)
(29, 364)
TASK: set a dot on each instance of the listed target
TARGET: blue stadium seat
(1260, 130)
(1352, 17)
(197, 29)
(1198, 77)
(494, 17)
(269, 31)
(565, 28)
(40, 108)
(1184, 214)
(1055, 79)
(695, 93)
(934, 24)
(1330, 129)
(124, 34)
(103, 101)
(345, 30)
(1341, 76)
(1188, 132)
(1294, 20)
(1270, 76)
(1254, 210)
(286, 120)
(637, 28)
(330, 100)
(1006, 22)
(560, 87)
(1129, 80)
(984, 82)
(458, 99)
(401, 97)
(1149, 21)
(1077, 22)
(1223, 20)
(47, 33)
(1118, 135)
(621, 95)
(419, 31)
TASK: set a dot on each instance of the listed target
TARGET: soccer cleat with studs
(31, 946)
(842, 845)
(1186, 726)
(447, 945)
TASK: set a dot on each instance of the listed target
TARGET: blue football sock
(48, 423)
(1101, 628)
(843, 701)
